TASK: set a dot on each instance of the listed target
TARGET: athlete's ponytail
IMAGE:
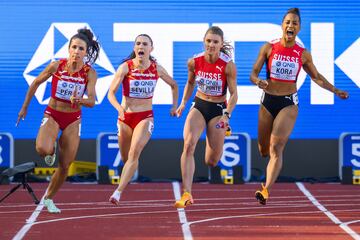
(92, 45)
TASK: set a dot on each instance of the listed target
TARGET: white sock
(116, 195)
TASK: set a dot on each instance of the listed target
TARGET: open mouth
(141, 53)
(289, 33)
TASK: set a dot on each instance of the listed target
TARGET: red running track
(294, 211)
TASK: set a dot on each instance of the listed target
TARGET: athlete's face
(142, 47)
(290, 27)
(77, 50)
(213, 43)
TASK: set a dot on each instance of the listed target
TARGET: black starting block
(347, 175)
(22, 170)
(103, 175)
(220, 176)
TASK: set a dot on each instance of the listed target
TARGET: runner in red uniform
(279, 103)
(71, 78)
(213, 71)
(138, 74)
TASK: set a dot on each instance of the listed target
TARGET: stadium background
(33, 33)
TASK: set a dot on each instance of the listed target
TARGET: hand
(341, 94)
(121, 114)
(173, 111)
(225, 120)
(21, 115)
(75, 101)
(180, 110)
(262, 84)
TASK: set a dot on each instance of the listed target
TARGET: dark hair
(295, 11)
(92, 46)
(133, 55)
(226, 48)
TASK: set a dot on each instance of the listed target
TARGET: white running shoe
(50, 159)
(51, 206)
(115, 197)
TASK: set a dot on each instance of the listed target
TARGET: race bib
(284, 70)
(142, 88)
(209, 86)
(64, 89)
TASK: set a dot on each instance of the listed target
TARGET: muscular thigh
(215, 136)
(265, 126)
(194, 126)
(142, 133)
(48, 132)
(69, 142)
(285, 121)
(124, 137)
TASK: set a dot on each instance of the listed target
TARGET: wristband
(227, 114)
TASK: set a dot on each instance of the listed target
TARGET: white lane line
(181, 211)
(333, 218)
(30, 221)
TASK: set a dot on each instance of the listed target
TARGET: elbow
(175, 87)
(92, 104)
(235, 97)
(110, 95)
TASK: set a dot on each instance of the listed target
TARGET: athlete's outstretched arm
(43, 76)
(174, 88)
(318, 78)
(189, 87)
(263, 55)
(118, 78)
(232, 85)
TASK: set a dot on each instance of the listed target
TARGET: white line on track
(181, 211)
(329, 214)
(30, 221)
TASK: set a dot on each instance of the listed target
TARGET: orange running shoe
(186, 200)
(262, 195)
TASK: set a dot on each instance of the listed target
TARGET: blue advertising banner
(237, 152)
(6, 150)
(33, 34)
(108, 154)
(349, 151)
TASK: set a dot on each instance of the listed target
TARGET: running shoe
(115, 197)
(49, 204)
(262, 195)
(50, 159)
(186, 200)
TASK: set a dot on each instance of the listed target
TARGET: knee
(134, 154)
(42, 150)
(63, 168)
(276, 149)
(124, 157)
(264, 152)
(212, 162)
(189, 147)
(212, 159)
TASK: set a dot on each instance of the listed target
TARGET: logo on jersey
(219, 68)
(297, 52)
(54, 46)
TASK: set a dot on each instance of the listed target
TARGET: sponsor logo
(220, 68)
